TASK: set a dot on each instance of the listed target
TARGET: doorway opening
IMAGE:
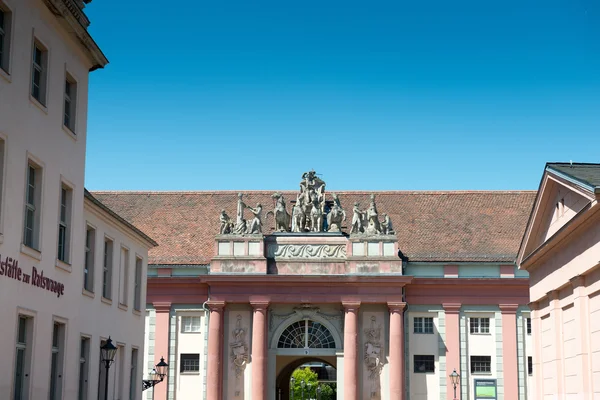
(322, 372)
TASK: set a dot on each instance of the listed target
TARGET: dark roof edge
(122, 220)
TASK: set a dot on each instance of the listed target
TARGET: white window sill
(481, 334)
(5, 75)
(123, 307)
(190, 373)
(423, 333)
(106, 301)
(136, 312)
(482, 373)
(37, 103)
(191, 333)
(69, 132)
(31, 252)
(63, 265)
(87, 293)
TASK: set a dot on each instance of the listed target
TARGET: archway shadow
(283, 379)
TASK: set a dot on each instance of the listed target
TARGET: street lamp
(156, 376)
(107, 355)
(455, 378)
(302, 385)
(292, 381)
(318, 392)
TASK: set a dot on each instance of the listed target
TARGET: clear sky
(373, 95)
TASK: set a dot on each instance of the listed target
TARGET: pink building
(561, 252)
(388, 311)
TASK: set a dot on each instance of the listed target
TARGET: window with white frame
(107, 269)
(479, 325)
(64, 223)
(423, 325)
(137, 290)
(84, 365)
(424, 363)
(124, 276)
(5, 31)
(23, 357)
(39, 72)
(189, 363)
(56, 361)
(133, 388)
(90, 249)
(70, 107)
(481, 364)
(190, 324)
(33, 196)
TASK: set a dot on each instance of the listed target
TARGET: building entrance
(324, 367)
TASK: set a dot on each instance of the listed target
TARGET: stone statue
(373, 226)
(386, 225)
(282, 218)
(256, 223)
(240, 222)
(226, 223)
(316, 217)
(239, 348)
(336, 216)
(357, 220)
(298, 217)
(311, 203)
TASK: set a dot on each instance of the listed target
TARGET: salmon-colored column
(259, 350)
(581, 304)
(397, 379)
(161, 344)
(510, 361)
(452, 311)
(351, 350)
(214, 373)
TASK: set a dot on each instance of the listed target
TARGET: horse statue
(336, 216)
(282, 218)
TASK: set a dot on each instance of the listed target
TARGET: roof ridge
(415, 192)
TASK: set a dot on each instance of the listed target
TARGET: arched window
(306, 334)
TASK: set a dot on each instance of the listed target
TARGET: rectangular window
(190, 324)
(133, 388)
(56, 363)
(39, 72)
(70, 103)
(529, 326)
(137, 300)
(124, 276)
(479, 325)
(64, 224)
(90, 247)
(424, 364)
(423, 325)
(84, 358)
(530, 365)
(107, 269)
(481, 364)
(23, 357)
(5, 31)
(32, 206)
(190, 363)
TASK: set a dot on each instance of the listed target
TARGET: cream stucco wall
(423, 386)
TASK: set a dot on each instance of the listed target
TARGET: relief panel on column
(373, 353)
(238, 354)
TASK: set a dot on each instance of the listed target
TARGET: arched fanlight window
(306, 334)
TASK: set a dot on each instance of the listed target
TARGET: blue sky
(378, 95)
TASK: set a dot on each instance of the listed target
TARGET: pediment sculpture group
(310, 213)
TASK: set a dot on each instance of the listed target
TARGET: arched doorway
(284, 376)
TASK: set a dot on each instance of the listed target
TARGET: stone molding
(306, 251)
(215, 306)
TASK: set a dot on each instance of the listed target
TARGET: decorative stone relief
(239, 348)
(306, 251)
(305, 311)
(373, 356)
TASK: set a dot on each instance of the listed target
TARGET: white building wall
(189, 385)
(423, 386)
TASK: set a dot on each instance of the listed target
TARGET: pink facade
(561, 252)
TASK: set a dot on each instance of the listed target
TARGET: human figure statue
(226, 224)
(282, 218)
(357, 220)
(336, 216)
(256, 223)
(298, 217)
(386, 225)
(240, 223)
(373, 227)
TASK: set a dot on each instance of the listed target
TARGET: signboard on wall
(485, 389)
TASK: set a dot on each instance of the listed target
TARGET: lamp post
(455, 380)
(318, 392)
(302, 385)
(156, 376)
(292, 381)
(107, 354)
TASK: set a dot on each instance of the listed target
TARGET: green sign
(485, 389)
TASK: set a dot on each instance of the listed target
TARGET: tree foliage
(310, 385)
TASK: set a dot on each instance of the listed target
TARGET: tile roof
(588, 174)
(431, 226)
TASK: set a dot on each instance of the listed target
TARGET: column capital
(451, 308)
(350, 305)
(260, 305)
(214, 305)
(396, 306)
(162, 306)
(508, 308)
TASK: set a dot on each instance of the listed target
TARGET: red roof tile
(431, 226)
